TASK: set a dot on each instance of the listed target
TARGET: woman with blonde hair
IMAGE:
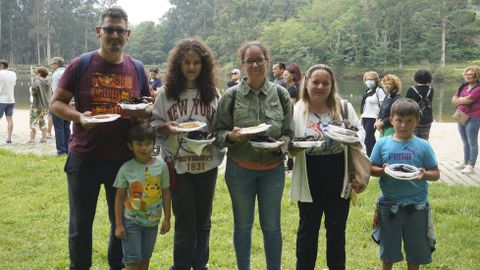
(320, 182)
(393, 86)
(467, 99)
(370, 105)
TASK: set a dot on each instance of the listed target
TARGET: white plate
(255, 129)
(103, 118)
(133, 107)
(402, 175)
(340, 134)
(266, 145)
(197, 145)
(190, 126)
(307, 144)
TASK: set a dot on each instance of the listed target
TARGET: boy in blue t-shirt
(403, 207)
(142, 189)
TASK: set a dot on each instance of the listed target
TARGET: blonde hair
(395, 81)
(372, 74)
(333, 100)
(475, 70)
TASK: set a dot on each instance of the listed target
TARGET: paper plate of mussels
(402, 171)
(265, 142)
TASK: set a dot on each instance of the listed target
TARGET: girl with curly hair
(189, 94)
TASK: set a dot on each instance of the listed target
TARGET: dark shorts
(6, 108)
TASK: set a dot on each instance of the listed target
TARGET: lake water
(351, 90)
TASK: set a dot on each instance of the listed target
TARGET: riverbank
(444, 138)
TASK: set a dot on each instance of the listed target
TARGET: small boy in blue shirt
(142, 190)
(403, 205)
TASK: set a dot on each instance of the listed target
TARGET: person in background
(255, 173)
(236, 76)
(62, 127)
(467, 99)
(7, 99)
(189, 94)
(142, 191)
(403, 207)
(422, 93)
(41, 90)
(293, 77)
(154, 80)
(392, 85)
(278, 69)
(97, 151)
(372, 100)
(319, 177)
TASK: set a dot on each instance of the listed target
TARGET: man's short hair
(114, 12)
(235, 71)
(58, 61)
(405, 107)
(280, 65)
(4, 63)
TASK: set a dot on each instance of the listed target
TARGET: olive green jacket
(251, 109)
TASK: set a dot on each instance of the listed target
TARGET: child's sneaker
(460, 166)
(469, 169)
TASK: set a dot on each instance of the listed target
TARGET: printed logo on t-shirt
(407, 154)
(107, 90)
(180, 109)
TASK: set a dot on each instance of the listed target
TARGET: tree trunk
(48, 30)
(444, 30)
(400, 37)
(385, 51)
(37, 31)
(86, 33)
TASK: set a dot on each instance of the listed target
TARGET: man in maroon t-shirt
(97, 150)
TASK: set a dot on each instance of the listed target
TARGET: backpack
(82, 66)
(425, 106)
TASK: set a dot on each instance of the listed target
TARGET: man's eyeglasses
(258, 61)
(111, 30)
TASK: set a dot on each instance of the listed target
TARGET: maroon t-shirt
(101, 88)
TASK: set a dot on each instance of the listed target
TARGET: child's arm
(167, 210)
(432, 174)
(119, 200)
(378, 170)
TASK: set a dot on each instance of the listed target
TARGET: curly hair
(373, 75)
(175, 81)
(422, 76)
(396, 83)
(333, 101)
(475, 70)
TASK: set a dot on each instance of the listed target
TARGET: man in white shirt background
(7, 99)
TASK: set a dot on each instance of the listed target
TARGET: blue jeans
(245, 186)
(469, 135)
(85, 177)
(140, 241)
(62, 134)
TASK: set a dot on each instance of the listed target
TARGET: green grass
(34, 224)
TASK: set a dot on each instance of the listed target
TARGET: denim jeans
(369, 127)
(62, 134)
(469, 135)
(192, 200)
(85, 176)
(245, 186)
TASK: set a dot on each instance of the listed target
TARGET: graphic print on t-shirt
(107, 90)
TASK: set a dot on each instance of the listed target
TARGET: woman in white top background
(370, 107)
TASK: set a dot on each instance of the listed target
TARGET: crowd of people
(141, 188)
